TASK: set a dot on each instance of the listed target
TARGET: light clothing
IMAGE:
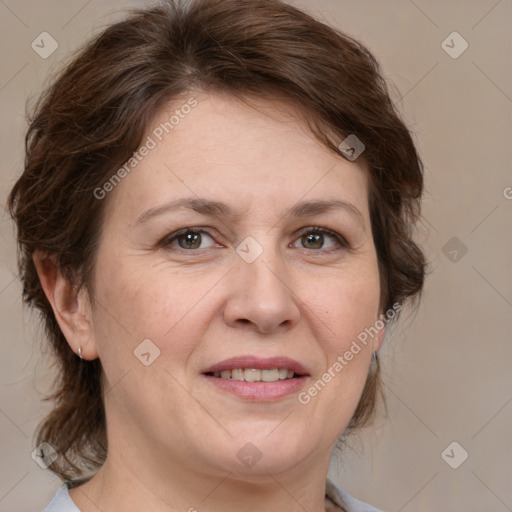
(61, 502)
(334, 499)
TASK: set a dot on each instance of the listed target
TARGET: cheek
(345, 306)
(341, 332)
(136, 303)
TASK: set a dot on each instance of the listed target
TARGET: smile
(255, 374)
(257, 379)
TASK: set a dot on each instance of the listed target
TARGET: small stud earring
(80, 352)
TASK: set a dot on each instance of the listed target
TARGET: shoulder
(61, 502)
(343, 499)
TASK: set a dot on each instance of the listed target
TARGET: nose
(261, 297)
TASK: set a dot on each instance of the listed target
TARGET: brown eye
(314, 238)
(187, 239)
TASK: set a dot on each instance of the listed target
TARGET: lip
(258, 391)
(258, 363)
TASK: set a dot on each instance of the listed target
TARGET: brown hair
(94, 115)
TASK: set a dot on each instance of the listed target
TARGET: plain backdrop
(446, 368)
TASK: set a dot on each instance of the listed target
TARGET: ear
(72, 309)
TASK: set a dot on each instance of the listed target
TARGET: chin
(259, 454)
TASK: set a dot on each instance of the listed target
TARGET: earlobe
(71, 308)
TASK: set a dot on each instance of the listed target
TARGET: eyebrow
(219, 209)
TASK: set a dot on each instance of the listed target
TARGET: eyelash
(343, 244)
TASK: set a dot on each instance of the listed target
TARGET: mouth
(255, 374)
(258, 379)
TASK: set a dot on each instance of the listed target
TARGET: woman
(215, 222)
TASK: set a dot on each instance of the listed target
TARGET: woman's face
(209, 253)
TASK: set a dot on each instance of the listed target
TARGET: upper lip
(267, 363)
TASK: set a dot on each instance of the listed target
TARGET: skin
(174, 437)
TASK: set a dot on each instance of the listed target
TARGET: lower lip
(259, 391)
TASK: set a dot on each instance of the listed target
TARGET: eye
(187, 239)
(315, 238)
(190, 239)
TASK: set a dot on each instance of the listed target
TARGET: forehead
(241, 153)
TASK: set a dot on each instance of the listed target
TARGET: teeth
(256, 375)
(270, 375)
(252, 375)
(235, 374)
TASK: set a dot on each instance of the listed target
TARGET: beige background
(447, 369)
